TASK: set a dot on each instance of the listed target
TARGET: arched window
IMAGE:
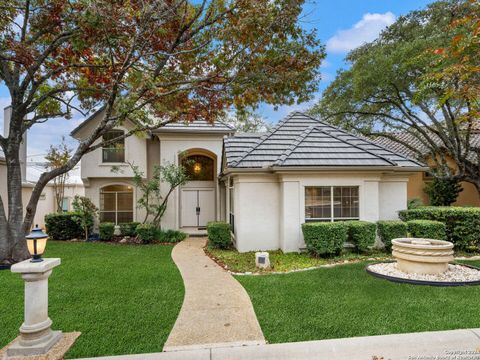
(113, 152)
(199, 167)
(116, 204)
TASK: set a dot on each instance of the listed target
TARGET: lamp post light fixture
(36, 243)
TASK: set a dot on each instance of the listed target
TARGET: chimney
(7, 115)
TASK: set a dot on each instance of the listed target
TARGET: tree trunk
(15, 230)
(5, 251)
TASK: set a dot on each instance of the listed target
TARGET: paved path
(217, 310)
(447, 345)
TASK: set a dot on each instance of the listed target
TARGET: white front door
(197, 207)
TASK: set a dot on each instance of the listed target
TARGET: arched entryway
(198, 196)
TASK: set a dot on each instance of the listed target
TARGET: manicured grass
(345, 301)
(124, 299)
(280, 262)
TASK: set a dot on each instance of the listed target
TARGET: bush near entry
(219, 235)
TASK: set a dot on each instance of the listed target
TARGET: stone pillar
(36, 336)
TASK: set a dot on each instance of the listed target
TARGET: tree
(151, 199)
(384, 92)
(57, 157)
(442, 191)
(248, 122)
(147, 62)
(86, 212)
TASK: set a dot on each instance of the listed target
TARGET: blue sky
(340, 24)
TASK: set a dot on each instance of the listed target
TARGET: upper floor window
(199, 167)
(113, 152)
(331, 203)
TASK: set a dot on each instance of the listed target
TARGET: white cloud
(364, 31)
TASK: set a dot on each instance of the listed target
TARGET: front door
(198, 207)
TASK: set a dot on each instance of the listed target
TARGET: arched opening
(116, 204)
(199, 167)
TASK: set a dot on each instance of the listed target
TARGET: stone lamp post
(36, 336)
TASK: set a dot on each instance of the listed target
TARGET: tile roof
(300, 140)
(197, 125)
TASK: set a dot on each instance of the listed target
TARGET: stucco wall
(269, 210)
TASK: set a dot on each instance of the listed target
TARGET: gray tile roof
(302, 141)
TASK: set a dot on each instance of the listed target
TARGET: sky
(341, 25)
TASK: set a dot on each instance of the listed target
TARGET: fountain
(424, 262)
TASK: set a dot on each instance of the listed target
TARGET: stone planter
(422, 256)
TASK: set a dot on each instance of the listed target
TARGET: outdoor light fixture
(36, 243)
(197, 167)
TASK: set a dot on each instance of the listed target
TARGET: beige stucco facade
(269, 209)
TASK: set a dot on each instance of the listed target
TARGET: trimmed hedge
(362, 234)
(428, 229)
(325, 238)
(219, 235)
(129, 229)
(462, 224)
(391, 229)
(147, 233)
(63, 226)
(106, 231)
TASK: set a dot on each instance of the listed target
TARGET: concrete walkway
(445, 345)
(217, 310)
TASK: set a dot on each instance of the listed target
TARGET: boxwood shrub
(147, 233)
(106, 231)
(63, 226)
(362, 234)
(462, 224)
(219, 234)
(428, 229)
(325, 238)
(171, 236)
(391, 229)
(129, 229)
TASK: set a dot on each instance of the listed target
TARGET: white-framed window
(116, 204)
(113, 152)
(332, 203)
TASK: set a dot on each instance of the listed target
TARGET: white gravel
(455, 273)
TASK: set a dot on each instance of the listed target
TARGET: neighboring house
(416, 183)
(30, 174)
(264, 185)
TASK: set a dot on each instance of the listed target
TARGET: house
(469, 196)
(31, 171)
(265, 185)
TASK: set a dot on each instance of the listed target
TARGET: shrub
(414, 203)
(171, 236)
(462, 224)
(219, 234)
(64, 226)
(442, 191)
(106, 231)
(362, 234)
(147, 233)
(324, 238)
(129, 229)
(428, 229)
(391, 229)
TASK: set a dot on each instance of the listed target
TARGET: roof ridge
(281, 159)
(262, 139)
(364, 139)
(356, 146)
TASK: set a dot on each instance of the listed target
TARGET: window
(116, 204)
(230, 211)
(113, 152)
(199, 167)
(65, 204)
(330, 203)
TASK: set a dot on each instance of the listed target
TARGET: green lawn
(124, 299)
(345, 301)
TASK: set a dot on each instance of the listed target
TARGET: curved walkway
(217, 310)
